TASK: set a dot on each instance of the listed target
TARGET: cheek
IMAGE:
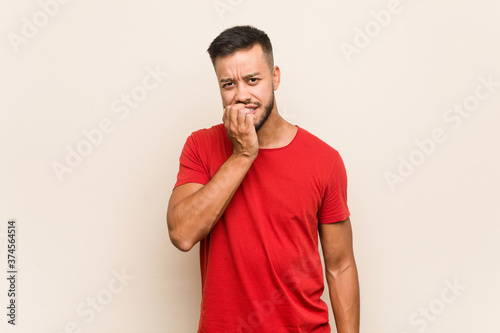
(227, 97)
(264, 91)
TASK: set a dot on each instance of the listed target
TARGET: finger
(224, 116)
(227, 118)
(242, 121)
(233, 118)
(250, 121)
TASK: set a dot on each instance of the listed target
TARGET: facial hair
(267, 112)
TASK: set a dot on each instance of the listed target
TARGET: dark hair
(239, 38)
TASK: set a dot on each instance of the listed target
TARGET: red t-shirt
(260, 265)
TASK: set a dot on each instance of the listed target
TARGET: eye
(253, 80)
(227, 85)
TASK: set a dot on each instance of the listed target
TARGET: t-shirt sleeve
(334, 207)
(192, 168)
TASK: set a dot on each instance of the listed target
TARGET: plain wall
(384, 91)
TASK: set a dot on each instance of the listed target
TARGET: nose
(242, 93)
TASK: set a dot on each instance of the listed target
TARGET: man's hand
(240, 127)
(194, 209)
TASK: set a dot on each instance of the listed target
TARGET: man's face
(245, 77)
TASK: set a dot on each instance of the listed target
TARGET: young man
(256, 191)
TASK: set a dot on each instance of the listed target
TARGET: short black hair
(238, 38)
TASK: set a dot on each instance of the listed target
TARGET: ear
(276, 77)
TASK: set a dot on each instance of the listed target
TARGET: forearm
(191, 219)
(344, 295)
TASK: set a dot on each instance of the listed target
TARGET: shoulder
(215, 131)
(209, 136)
(313, 144)
(210, 141)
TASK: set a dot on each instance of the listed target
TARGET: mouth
(251, 108)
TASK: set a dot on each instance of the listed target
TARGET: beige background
(438, 227)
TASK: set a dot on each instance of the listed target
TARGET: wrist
(245, 156)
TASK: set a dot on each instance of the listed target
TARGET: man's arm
(194, 209)
(341, 274)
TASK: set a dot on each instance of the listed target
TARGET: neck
(276, 131)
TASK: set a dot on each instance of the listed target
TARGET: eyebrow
(245, 77)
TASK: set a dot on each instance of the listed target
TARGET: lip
(252, 106)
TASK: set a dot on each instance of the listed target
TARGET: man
(255, 191)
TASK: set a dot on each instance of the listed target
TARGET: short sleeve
(192, 168)
(334, 207)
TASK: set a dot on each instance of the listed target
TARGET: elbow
(177, 238)
(185, 231)
(180, 243)
(335, 271)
